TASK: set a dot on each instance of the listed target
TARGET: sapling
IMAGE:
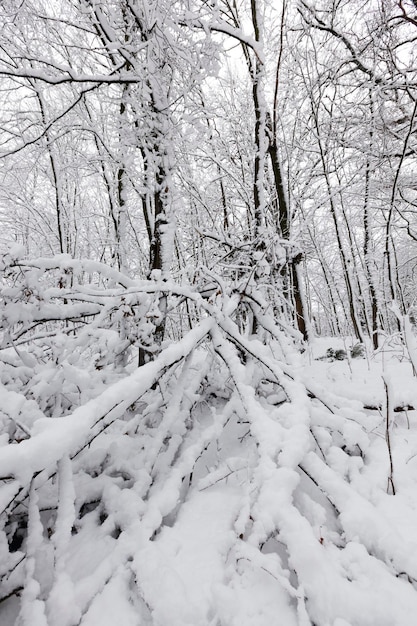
(388, 409)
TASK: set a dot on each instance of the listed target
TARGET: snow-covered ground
(213, 501)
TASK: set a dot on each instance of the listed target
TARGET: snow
(52, 438)
(204, 489)
(189, 559)
(221, 473)
(113, 604)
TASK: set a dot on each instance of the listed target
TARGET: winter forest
(208, 346)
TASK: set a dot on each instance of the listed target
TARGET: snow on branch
(222, 461)
(53, 438)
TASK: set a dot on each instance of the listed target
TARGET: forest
(208, 343)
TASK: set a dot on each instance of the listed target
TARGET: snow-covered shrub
(357, 351)
(336, 355)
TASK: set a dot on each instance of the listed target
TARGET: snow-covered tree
(172, 449)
